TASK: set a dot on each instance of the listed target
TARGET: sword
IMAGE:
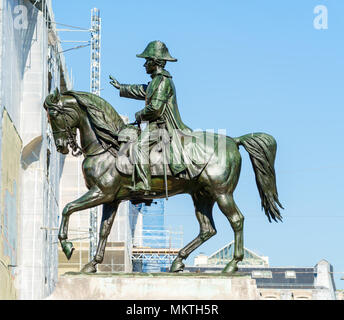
(133, 175)
(162, 126)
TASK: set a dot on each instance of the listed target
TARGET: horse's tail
(262, 150)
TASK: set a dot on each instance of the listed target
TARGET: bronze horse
(108, 187)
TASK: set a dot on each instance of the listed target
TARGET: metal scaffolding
(155, 246)
(86, 222)
(95, 51)
(95, 89)
(154, 249)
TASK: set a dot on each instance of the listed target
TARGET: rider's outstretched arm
(133, 91)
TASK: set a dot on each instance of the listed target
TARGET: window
(261, 274)
(290, 274)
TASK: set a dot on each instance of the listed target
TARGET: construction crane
(95, 89)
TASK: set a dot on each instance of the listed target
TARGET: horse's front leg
(109, 214)
(90, 199)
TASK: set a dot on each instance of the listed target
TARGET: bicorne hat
(156, 50)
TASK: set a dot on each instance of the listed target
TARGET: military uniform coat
(161, 105)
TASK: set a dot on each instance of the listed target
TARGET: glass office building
(154, 245)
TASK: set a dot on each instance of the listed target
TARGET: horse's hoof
(177, 266)
(68, 249)
(89, 268)
(230, 268)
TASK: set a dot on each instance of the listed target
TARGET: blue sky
(243, 66)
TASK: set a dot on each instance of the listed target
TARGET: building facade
(274, 283)
(31, 66)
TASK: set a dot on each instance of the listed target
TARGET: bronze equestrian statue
(161, 110)
(122, 163)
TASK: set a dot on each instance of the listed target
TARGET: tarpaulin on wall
(10, 151)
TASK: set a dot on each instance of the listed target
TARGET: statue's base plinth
(154, 286)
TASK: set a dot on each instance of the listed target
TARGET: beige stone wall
(114, 258)
(286, 294)
(11, 145)
(76, 262)
(7, 291)
(163, 286)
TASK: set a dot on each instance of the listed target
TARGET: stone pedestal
(157, 286)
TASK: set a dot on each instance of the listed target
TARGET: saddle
(124, 163)
(193, 151)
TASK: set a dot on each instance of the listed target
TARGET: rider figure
(160, 107)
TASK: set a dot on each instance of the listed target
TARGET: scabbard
(165, 174)
(162, 125)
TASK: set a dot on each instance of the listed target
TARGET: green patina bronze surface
(209, 173)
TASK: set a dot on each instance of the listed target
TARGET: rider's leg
(141, 157)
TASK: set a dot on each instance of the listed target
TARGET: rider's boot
(144, 185)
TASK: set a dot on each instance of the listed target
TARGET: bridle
(71, 137)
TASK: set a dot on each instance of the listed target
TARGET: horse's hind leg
(203, 207)
(230, 210)
(108, 217)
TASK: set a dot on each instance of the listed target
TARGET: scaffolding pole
(95, 89)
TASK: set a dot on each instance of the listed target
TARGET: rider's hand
(114, 82)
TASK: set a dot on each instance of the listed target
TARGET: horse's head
(64, 119)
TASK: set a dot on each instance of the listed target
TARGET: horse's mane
(104, 119)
